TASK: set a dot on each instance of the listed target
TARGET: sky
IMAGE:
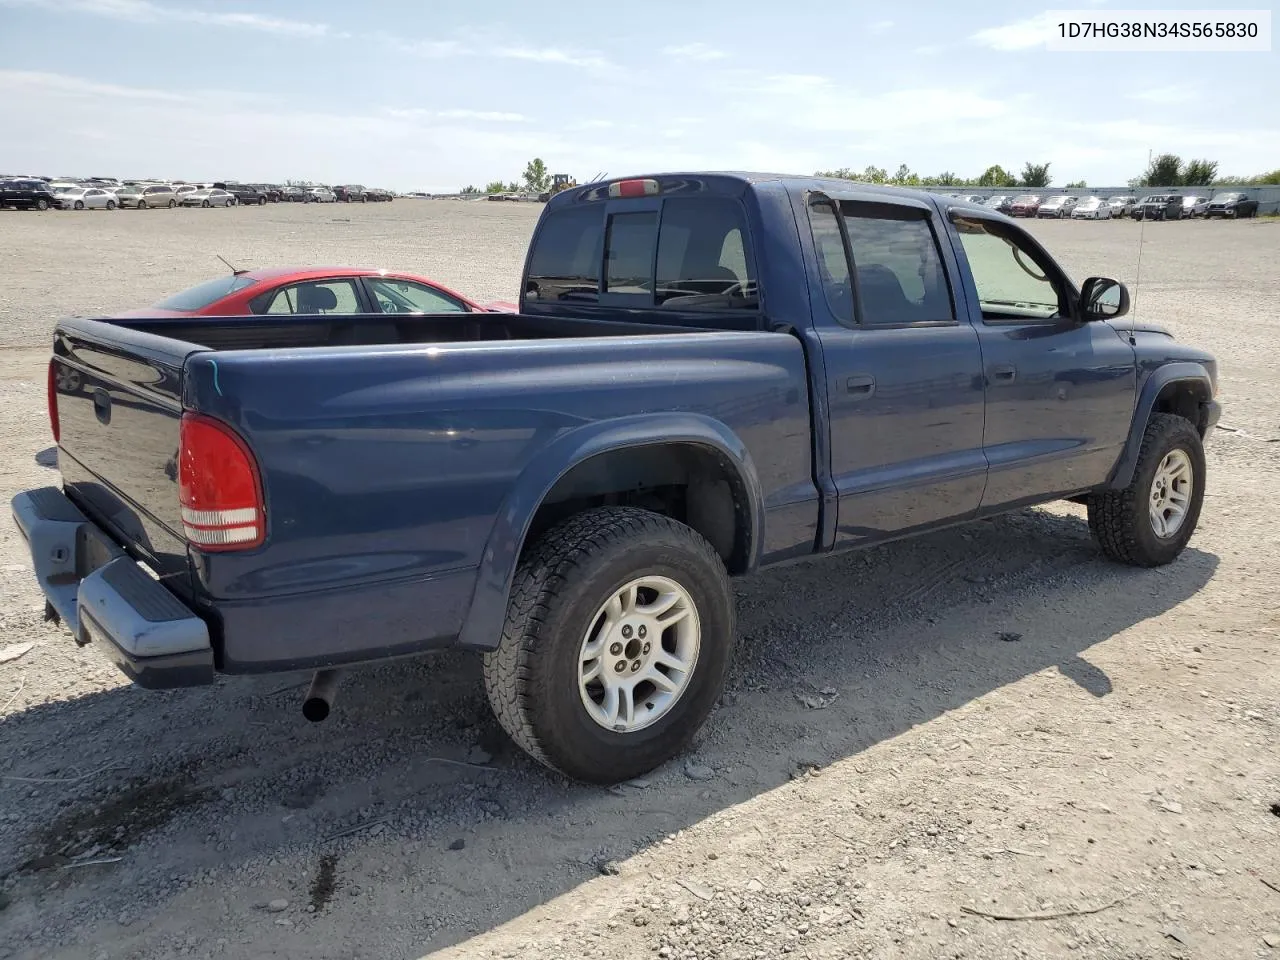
(417, 95)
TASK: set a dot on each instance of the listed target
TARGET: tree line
(1165, 170)
(535, 179)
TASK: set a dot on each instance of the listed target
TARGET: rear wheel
(79, 205)
(111, 204)
(617, 641)
(204, 203)
(172, 204)
(142, 204)
(42, 204)
(1148, 523)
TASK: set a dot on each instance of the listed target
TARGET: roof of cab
(787, 180)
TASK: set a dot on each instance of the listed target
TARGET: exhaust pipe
(319, 700)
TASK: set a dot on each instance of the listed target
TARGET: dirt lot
(1110, 778)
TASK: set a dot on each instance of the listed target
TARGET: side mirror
(1102, 298)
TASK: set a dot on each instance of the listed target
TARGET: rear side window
(897, 271)
(197, 297)
(897, 266)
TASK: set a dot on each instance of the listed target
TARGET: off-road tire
(1120, 519)
(532, 677)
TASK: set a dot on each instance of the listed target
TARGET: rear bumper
(104, 597)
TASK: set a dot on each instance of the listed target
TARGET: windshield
(1227, 197)
(201, 295)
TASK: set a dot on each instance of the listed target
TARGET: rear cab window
(669, 254)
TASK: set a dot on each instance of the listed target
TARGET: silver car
(208, 197)
(1122, 206)
(157, 195)
(1194, 206)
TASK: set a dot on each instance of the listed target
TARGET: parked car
(1194, 206)
(85, 198)
(970, 198)
(1231, 204)
(1025, 205)
(293, 195)
(277, 290)
(273, 192)
(207, 197)
(27, 194)
(1160, 206)
(1001, 204)
(159, 195)
(1091, 208)
(246, 193)
(350, 193)
(321, 195)
(1122, 206)
(1059, 206)
(572, 503)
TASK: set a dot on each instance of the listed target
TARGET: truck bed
(396, 454)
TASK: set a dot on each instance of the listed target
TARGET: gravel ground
(889, 765)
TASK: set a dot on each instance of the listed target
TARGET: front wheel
(79, 205)
(204, 203)
(111, 204)
(617, 642)
(1148, 523)
(42, 205)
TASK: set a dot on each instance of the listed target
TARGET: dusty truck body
(709, 374)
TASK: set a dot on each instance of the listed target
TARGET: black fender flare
(1180, 371)
(487, 610)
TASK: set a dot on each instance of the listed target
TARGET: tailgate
(119, 399)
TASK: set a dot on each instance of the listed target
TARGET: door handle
(861, 387)
(1003, 373)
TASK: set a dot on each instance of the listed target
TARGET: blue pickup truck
(709, 374)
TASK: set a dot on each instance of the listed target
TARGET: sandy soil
(884, 770)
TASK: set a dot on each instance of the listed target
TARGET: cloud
(144, 11)
(694, 51)
(552, 55)
(29, 81)
(419, 113)
(1020, 35)
(881, 26)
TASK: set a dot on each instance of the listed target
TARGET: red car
(1027, 205)
(316, 290)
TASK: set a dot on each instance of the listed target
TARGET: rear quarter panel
(389, 464)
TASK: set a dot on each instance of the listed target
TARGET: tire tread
(1114, 514)
(560, 556)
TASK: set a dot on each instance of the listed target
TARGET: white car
(86, 198)
(1092, 208)
(1193, 207)
(1122, 206)
(321, 195)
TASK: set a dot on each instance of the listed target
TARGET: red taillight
(219, 487)
(633, 188)
(53, 401)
